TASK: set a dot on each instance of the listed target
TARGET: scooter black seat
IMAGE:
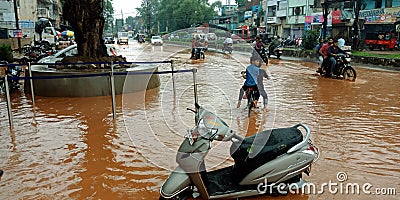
(269, 145)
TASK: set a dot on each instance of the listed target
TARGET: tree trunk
(87, 20)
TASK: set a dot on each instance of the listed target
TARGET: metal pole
(113, 90)
(194, 70)
(173, 78)
(10, 116)
(31, 83)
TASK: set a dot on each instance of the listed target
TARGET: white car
(156, 40)
(72, 51)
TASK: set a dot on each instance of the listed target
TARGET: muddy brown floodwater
(71, 148)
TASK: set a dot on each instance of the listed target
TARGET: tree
(147, 10)
(310, 38)
(180, 14)
(108, 14)
(87, 20)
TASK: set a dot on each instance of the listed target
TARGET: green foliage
(182, 33)
(221, 33)
(108, 12)
(180, 14)
(310, 39)
(6, 53)
(375, 54)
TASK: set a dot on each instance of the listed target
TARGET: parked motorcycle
(264, 160)
(227, 47)
(12, 74)
(276, 51)
(262, 53)
(342, 69)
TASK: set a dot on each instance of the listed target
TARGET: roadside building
(28, 13)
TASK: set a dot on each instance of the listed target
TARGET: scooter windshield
(211, 124)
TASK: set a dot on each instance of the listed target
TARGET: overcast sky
(128, 7)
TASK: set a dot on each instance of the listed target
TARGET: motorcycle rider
(319, 55)
(251, 74)
(275, 42)
(228, 42)
(258, 45)
(333, 51)
(324, 52)
(195, 46)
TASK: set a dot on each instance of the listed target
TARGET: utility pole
(325, 13)
(122, 14)
(356, 33)
(17, 24)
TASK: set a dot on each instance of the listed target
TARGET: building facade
(28, 13)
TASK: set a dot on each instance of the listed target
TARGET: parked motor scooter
(263, 161)
(276, 51)
(13, 72)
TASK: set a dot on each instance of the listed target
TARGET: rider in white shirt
(228, 41)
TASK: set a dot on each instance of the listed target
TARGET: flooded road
(71, 148)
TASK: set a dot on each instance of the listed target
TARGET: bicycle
(251, 95)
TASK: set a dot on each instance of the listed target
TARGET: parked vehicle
(379, 37)
(342, 70)
(156, 40)
(12, 74)
(123, 38)
(72, 51)
(268, 159)
(381, 41)
(109, 39)
(45, 33)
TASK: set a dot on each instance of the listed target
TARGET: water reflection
(72, 148)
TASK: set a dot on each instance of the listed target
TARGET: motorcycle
(267, 159)
(228, 48)
(12, 74)
(342, 69)
(276, 51)
(198, 53)
(262, 53)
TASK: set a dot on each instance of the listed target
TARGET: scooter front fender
(177, 182)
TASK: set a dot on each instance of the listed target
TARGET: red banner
(336, 17)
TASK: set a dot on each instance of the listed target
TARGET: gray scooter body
(191, 172)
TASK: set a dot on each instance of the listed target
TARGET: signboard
(336, 17)
(296, 19)
(17, 33)
(309, 19)
(248, 14)
(380, 19)
(378, 12)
